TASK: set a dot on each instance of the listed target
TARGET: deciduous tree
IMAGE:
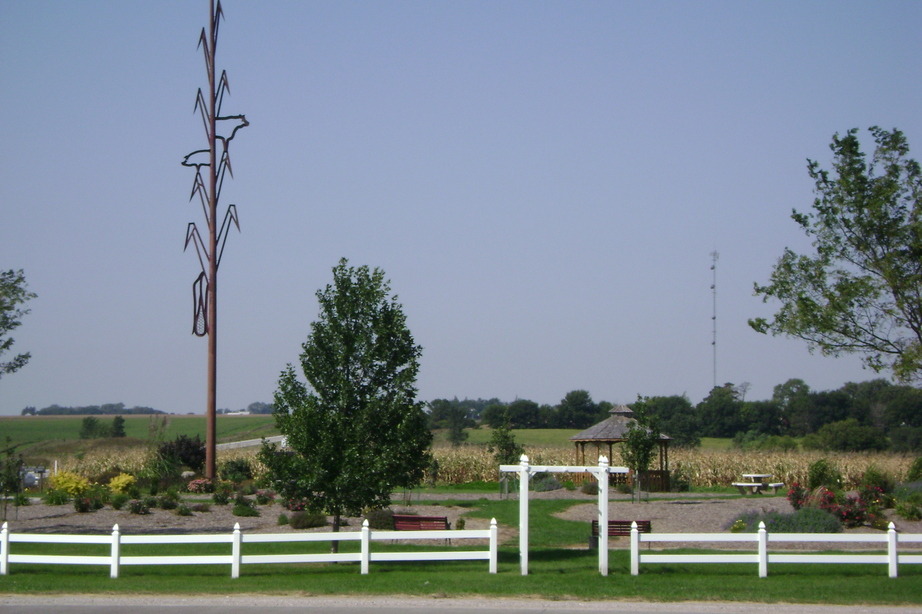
(860, 290)
(355, 430)
(13, 295)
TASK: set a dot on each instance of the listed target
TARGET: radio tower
(714, 258)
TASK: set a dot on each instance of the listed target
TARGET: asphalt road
(259, 604)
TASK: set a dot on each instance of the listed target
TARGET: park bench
(618, 528)
(411, 522)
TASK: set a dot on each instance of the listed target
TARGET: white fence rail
(114, 560)
(762, 557)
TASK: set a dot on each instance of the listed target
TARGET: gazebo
(613, 430)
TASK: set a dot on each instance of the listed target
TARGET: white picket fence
(762, 557)
(237, 540)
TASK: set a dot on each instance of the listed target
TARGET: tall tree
(861, 289)
(13, 295)
(355, 431)
(576, 411)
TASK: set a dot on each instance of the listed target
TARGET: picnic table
(755, 483)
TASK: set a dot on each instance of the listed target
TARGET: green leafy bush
(876, 478)
(307, 520)
(55, 496)
(915, 471)
(118, 500)
(184, 451)
(236, 470)
(545, 482)
(70, 482)
(282, 519)
(908, 510)
(244, 510)
(823, 473)
(201, 507)
(183, 510)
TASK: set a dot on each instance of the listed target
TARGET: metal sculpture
(211, 166)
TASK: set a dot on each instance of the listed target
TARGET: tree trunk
(334, 546)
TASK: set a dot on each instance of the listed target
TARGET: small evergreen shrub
(244, 510)
(166, 502)
(307, 520)
(83, 505)
(150, 502)
(118, 500)
(201, 507)
(589, 487)
(282, 519)
(183, 510)
(220, 497)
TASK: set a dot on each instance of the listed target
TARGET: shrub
(166, 502)
(295, 504)
(589, 487)
(915, 471)
(69, 482)
(21, 499)
(876, 478)
(236, 470)
(245, 510)
(118, 500)
(264, 497)
(183, 510)
(823, 473)
(283, 519)
(797, 496)
(201, 507)
(806, 520)
(55, 497)
(184, 450)
(121, 483)
(83, 505)
(307, 520)
(545, 482)
(200, 486)
(150, 502)
(137, 506)
(908, 510)
(381, 519)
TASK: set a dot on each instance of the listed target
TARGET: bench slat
(622, 528)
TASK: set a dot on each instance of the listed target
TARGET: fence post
(635, 549)
(523, 514)
(763, 551)
(602, 475)
(116, 552)
(366, 547)
(891, 550)
(494, 545)
(236, 543)
(4, 549)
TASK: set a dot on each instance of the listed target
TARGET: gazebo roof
(612, 429)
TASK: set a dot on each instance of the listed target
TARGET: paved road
(258, 604)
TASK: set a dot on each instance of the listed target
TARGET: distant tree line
(873, 415)
(109, 409)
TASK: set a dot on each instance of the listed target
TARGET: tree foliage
(355, 431)
(860, 291)
(14, 294)
(640, 441)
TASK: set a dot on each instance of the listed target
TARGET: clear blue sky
(542, 182)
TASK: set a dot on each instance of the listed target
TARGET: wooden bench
(410, 522)
(618, 528)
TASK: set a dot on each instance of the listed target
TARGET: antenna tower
(714, 257)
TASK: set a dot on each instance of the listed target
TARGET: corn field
(474, 463)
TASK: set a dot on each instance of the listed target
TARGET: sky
(543, 183)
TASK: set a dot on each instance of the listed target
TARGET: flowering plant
(201, 485)
(797, 495)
